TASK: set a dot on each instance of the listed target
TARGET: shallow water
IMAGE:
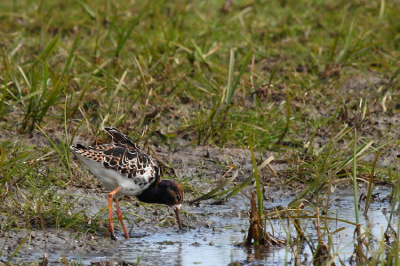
(217, 245)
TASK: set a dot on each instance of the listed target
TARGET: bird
(124, 169)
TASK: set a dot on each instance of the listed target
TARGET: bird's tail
(119, 137)
(77, 148)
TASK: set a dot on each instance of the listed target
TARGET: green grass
(281, 75)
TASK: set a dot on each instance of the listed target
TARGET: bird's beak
(177, 209)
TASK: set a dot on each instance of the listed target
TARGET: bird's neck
(152, 194)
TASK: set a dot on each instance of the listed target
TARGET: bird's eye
(178, 197)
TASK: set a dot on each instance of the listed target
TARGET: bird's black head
(172, 192)
(165, 192)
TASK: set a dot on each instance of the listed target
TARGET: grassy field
(303, 79)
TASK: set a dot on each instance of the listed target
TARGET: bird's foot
(112, 234)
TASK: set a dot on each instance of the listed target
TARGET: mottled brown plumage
(125, 169)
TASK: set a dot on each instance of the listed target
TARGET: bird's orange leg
(110, 217)
(119, 214)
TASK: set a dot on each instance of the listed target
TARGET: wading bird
(125, 169)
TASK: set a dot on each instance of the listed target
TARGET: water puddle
(216, 245)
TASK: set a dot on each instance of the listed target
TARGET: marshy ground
(199, 85)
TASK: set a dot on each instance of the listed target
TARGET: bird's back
(120, 164)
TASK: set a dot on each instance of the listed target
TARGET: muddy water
(224, 226)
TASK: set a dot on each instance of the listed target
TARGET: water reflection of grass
(289, 78)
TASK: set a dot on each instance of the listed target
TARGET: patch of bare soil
(35, 245)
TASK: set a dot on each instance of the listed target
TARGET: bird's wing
(129, 161)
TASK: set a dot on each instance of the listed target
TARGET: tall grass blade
(260, 195)
(381, 13)
(346, 44)
(333, 49)
(68, 64)
(288, 116)
(85, 86)
(230, 88)
(5, 86)
(371, 182)
(243, 68)
(27, 83)
(127, 30)
(87, 8)
(355, 197)
(47, 51)
(199, 52)
(115, 93)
